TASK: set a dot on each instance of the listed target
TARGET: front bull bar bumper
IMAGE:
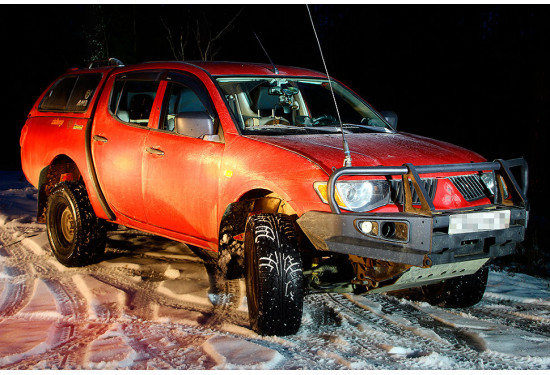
(428, 240)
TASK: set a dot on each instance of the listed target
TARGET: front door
(182, 172)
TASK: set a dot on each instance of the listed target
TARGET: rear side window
(71, 94)
(58, 97)
(132, 101)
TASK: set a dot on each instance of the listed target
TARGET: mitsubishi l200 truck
(247, 161)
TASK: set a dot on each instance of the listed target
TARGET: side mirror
(390, 117)
(195, 125)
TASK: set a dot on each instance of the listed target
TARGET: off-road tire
(77, 237)
(463, 291)
(274, 281)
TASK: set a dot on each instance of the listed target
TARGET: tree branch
(169, 38)
(222, 31)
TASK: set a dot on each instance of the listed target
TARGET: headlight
(357, 196)
(490, 182)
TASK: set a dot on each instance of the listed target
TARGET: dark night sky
(476, 76)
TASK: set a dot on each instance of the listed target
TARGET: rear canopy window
(71, 94)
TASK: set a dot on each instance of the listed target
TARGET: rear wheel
(77, 237)
(274, 282)
(463, 291)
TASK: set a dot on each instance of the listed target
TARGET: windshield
(290, 105)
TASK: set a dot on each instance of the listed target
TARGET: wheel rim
(63, 229)
(67, 224)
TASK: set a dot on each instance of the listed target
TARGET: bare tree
(96, 34)
(179, 42)
(206, 41)
(208, 48)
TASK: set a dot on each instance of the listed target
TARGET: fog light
(367, 227)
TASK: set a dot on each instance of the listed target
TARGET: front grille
(471, 187)
(398, 196)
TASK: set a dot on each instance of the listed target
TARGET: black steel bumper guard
(425, 239)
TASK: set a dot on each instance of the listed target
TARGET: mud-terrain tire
(463, 291)
(274, 281)
(77, 237)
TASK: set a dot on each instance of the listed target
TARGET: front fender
(250, 165)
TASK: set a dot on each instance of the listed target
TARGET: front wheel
(274, 281)
(77, 237)
(462, 291)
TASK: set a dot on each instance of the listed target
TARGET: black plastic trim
(89, 159)
(429, 242)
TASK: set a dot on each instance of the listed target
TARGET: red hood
(373, 149)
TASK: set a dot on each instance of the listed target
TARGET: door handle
(154, 151)
(100, 138)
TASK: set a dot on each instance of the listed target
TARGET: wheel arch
(61, 168)
(257, 200)
(233, 223)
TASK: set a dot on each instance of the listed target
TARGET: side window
(132, 101)
(71, 94)
(57, 98)
(83, 92)
(179, 99)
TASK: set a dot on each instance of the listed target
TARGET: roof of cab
(214, 68)
(217, 68)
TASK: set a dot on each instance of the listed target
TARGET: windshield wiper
(306, 128)
(375, 129)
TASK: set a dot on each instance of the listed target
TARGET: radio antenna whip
(275, 70)
(347, 159)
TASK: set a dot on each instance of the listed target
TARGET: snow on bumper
(406, 238)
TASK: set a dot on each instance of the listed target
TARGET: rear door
(182, 172)
(118, 141)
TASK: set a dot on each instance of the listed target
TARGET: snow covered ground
(154, 304)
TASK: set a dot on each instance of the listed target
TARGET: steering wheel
(325, 120)
(277, 121)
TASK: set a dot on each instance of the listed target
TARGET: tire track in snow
(518, 317)
(226, 295)
(338, 332)
(142, 294)
(71, 350)
(408, 338)
(142, 289)
(331, 339)
(167, 346)
(68, 341)
(19, 290)
(477, 330)
(404, 323)
(74, 332)
(15, 295)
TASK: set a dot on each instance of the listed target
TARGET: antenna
(275, 70)
(347, 159)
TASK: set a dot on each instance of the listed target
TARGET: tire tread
(280, 282)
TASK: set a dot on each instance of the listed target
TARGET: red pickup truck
(246, 160)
